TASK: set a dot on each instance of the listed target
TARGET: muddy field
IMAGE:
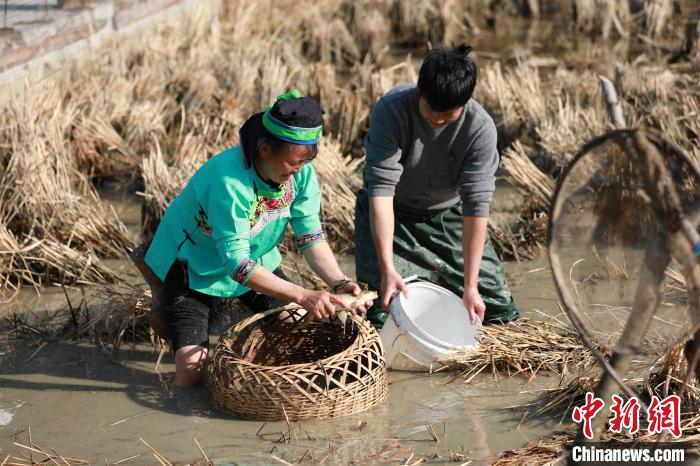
(90, 158)
(87, 403)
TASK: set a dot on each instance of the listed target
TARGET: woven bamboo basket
(268, 369)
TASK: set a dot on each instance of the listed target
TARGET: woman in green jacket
(219, 236)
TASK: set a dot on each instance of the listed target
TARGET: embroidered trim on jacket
(309, 239)
(244, 269)
(268, 209)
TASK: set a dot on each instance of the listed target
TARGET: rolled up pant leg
(187, 311)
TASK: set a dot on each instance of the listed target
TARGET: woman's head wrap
(292, 118)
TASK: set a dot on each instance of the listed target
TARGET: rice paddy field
(91, 155)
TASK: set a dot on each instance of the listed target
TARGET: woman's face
(438, 119)
(279, 166)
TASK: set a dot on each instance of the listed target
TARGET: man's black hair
(447, 77)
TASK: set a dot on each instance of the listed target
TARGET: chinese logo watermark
(661, 415)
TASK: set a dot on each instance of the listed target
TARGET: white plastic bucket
(425, 327)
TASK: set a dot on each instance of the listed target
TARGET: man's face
(438, 119)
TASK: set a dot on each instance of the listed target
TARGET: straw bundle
(384, 79)
(352, 121)
(545, 450)
(370, 26)
(576, 114)
(101, 151)
(329, 41)
(657, 15)
(602, 17)
(48, 261)
(415, 22)
(515, 97)
(46, 203)
(162, 182)
(694, 43)
(507, 243)
(127, 96)
(266, 369)
(527, 176)
(667, 376)
(340, 179)
(522, 238)
(323, 85)
(435, 21)
(496, 95)
(598, 17)
(524, 347)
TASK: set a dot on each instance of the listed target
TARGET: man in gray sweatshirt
(428, 182)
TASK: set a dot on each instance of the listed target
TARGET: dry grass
(525, 347)
(49, 208)
(105, 315)
(340, 179)
(546, 450)
(525, 174)
(149, 116)
(29, 453)
(544, 121)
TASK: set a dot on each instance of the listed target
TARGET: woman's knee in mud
(190, 365)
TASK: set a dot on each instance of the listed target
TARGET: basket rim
(355, 345)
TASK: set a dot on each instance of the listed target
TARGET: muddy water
(88, 404)
(83, 402)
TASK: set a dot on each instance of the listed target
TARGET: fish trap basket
(267, 369)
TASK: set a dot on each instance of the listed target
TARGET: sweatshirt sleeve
(382, 167)
(305, 209)
(228, 218)
(478, 178)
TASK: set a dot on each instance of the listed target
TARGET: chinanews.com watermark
(610, 453)
(661, 416)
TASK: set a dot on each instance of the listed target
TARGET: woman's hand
(391, 282)
(320, 303)
(353, 288)
(474, 304)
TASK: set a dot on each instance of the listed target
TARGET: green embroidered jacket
(227, 222)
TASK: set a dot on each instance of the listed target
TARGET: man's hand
(391, 282)
(354, 289)
(474, 304)
(320, 303)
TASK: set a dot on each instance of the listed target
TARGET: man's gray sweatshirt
(427, 168)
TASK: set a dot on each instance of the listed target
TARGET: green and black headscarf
(292, 118)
